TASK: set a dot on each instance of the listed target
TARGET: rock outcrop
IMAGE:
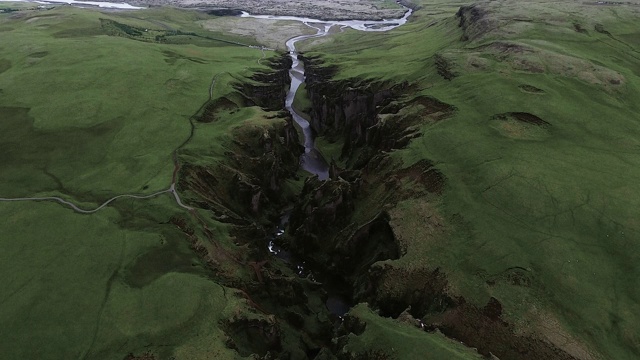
(268, 89)
(324, 233)
(474, 21)
(249, 182)
(345, 108)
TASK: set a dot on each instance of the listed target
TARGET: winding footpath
(84, 211)
(172, 188)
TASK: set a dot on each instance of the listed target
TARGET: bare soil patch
(145, 356)
(484, 329)
(521, 126)
(212, 111)
(271, 33)
(531, 89)
(444, 67)
(433, 106)
(578, 28)
(423, 173)
(39, 54)
(319, 9)
(524, 117)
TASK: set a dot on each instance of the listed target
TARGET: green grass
(331, 150)
(67, 268)
(401, 340)
(87, 116)
(301, 102)
(560, 201)
(103, 100)
(8, 6)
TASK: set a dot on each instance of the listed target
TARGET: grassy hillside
(90, 99)
(540, 158)
(91, 107)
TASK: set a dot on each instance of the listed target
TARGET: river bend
(312, 160)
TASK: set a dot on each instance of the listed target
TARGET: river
(312, 160)
(108, 5)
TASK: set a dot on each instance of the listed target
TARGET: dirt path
(172, 188)
(84, 211)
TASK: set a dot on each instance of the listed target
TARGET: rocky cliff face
(268, 89)
(328, 225)
(340, 225)
(249, 182)
(346, 108)
(474, 21)
(246, 189)
(364, 114)
(325, 233)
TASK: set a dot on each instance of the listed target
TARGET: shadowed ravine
(312, 160)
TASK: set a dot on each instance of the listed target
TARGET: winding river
(312, 160)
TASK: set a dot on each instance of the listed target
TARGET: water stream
(102, 4)
(312, 160)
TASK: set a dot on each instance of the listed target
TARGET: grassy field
(559, 201)
(84, 287)
(92, 106)
(401, 340)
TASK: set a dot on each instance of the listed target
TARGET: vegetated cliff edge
(367, 242)
(284, 313)
(344, 229)
(245, 189)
